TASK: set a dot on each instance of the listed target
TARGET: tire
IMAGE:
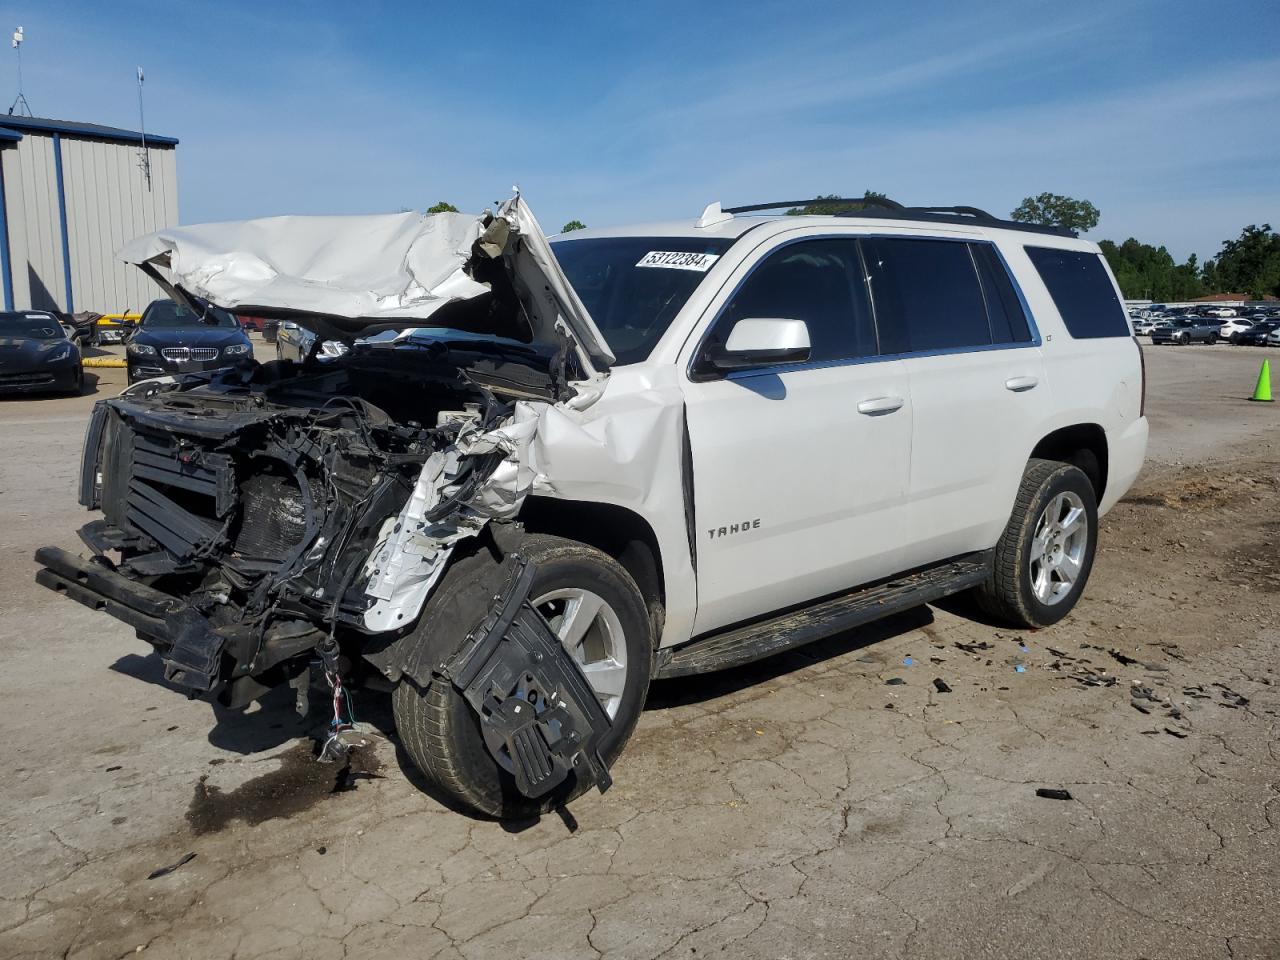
(440, 731)
(1184, 339)
(1010, 593)
(1213, 338)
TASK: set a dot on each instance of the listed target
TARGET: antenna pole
(20, 101)
(144, 157)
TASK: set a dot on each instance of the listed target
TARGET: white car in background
(1234, 327)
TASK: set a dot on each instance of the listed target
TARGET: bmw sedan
(171, 339)
(36, 356)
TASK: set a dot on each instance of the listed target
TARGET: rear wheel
(1044, 556)
(600, 616)
(1213, 338)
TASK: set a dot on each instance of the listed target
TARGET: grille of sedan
(190, 353)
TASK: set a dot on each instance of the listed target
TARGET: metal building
(71, 194)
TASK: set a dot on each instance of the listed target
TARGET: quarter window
(927, 295)
(1082, 291)
(817, 281)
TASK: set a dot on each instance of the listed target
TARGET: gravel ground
(809, 806)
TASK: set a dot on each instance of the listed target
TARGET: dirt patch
(1205, 490)
(300, 782)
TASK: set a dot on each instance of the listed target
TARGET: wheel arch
(1082, 444)
(615, 530)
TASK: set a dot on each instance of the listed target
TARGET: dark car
(35, 354)
(1188, 330)
(1256, 336)
(172, 339)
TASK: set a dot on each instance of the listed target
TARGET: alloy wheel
(1058, 548)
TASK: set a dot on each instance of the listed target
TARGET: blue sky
(1164, 114)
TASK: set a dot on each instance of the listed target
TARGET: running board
(755, 641)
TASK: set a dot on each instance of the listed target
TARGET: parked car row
(1258, 328)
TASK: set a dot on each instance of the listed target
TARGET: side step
(755, 641)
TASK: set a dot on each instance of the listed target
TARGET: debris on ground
(894, 682)
(1052, 793)
(940, 685)
(1230, 698)
(165, 871)
(973, 647)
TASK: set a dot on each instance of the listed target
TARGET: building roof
(12, 127)
(1221, 298)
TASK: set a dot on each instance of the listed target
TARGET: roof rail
(882, 202)
(960, 215)
(885, 209)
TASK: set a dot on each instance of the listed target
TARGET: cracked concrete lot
(806, 807)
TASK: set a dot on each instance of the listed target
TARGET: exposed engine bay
(310, 502)
(262, 526)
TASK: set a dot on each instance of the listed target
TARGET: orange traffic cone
(1262, 392)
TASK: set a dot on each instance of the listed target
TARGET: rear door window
(927, 295)
(1082, 291)
(1008, 318)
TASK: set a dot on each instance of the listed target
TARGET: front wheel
(1043, 558)
(595, 608)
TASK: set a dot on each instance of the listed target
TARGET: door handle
(1020, 384)
(879, 405)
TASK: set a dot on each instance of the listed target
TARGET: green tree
(823, 205)
(573, 225)
(442, 207)
(1055, 210)
(1145, 272)
(1249, 264)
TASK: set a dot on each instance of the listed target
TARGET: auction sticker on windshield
(672, 260)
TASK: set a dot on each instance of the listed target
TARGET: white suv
(665, 450)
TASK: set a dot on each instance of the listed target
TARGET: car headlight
(141, 350)
(236, 349)
(60, 352)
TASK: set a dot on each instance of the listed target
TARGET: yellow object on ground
(1262, 392)
(115, 319)
(104, 362)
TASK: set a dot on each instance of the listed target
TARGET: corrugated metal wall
(107, 203)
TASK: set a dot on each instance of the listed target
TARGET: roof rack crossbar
(882, 202)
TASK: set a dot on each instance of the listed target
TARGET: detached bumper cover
(540, 718)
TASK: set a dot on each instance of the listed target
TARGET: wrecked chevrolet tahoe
(541, 474)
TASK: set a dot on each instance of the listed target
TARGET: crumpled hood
(347, 277)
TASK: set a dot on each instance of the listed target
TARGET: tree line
(1248, 264)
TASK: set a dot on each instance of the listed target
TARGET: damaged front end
(255, 524)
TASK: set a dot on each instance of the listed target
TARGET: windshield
(167, 315)
(36, 326)
(634, 286)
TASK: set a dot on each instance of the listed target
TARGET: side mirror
(762, 342)
(288, 325)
